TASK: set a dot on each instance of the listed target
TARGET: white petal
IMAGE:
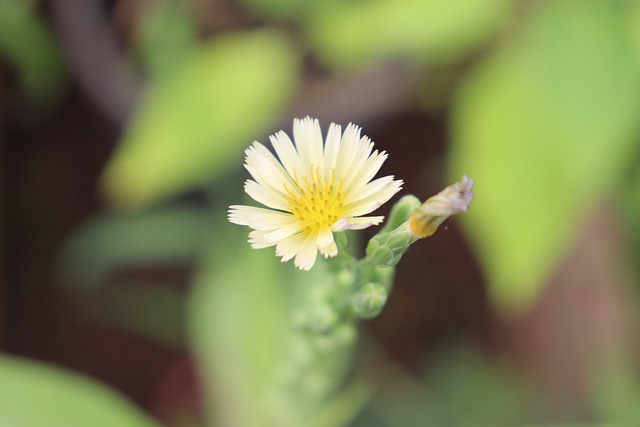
(308, 138)
(348, 149)
(362, 222)
(291, 246)
(330, 250)
(287, 153)
(372, 189)
(266, 169)
(325, 237)
(307, 255)
(332, 147)
(373, 201)
(258, 240)
(363, 151)
(284, 232)
(259, 218)
(266, 195)
(368, 170)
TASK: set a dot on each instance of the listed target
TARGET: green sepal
(400, 212)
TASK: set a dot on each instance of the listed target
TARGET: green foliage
(615, 391)
(166, 37)
(238, 327)
(153, 310)
(459, 388)
(171, 235)
(628, 204)
(35, 395)
(546, 126)
(270, 348)
(193, 127)
(277, 8)
(353, 33)
(28, 45)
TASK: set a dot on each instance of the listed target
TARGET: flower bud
(369, 300)
(322, 319)
(379, 254)
(386, 249)
(454, 199)
(400, 212)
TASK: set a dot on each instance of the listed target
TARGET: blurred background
(127, 299)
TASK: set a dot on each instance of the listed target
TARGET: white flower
(312, 189)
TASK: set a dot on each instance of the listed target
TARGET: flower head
(311, 190)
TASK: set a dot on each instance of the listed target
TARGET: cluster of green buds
(408, 222)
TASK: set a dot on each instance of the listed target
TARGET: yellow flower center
(318, 202)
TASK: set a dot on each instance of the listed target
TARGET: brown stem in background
(95, 59)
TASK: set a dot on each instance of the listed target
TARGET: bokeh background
(122, 130)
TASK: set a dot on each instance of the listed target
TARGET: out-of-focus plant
(353, 34)
(545, 121)
(548, 122)
(192, 124)
(29, 46)
(33, 395)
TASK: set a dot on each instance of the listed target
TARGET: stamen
(318, 202)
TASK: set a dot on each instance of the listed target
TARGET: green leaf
(165, 37)
(29, 46)
(628, 203)
(116, 240)
(276, 8)
(253, 326)
(192, 128)
(34, 395)
(546, 126)
(239, 315)
(153, 310)
(350, 33)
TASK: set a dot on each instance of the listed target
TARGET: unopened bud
(454, 199)
(400, 212)
(385, 249)
(369, 301)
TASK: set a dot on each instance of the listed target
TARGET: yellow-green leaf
(348, 33)
(33, 394)
(546, 127)
(192, 128)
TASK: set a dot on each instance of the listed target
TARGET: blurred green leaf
(628, 204)
(193, 127)
(239, 326)
(459, 388)
(615, 390)
(545, 126)
(346, 405)
(29, 46)
(34, 395)
(166, 37)
(349, 33)
(276, 8)
(259, 367)
(115, 240)
(153, 310)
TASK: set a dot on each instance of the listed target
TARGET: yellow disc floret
(317, 201)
